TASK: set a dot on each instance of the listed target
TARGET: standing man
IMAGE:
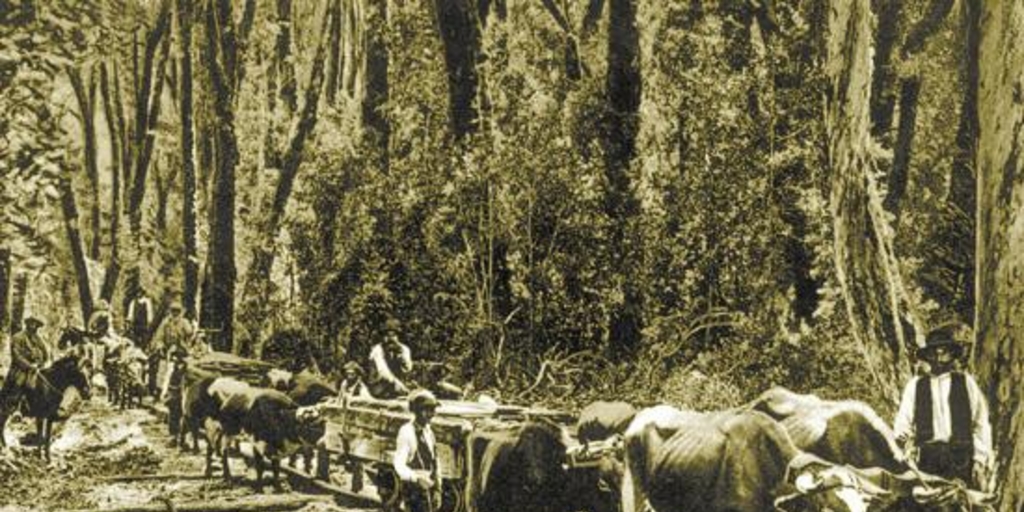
(176, 333)
(390, 365)
(943, 416)
(29, 354)
(109, 349)
(416, 455)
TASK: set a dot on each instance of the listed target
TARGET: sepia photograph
(511, 255)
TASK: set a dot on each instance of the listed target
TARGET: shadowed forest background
(558, 199)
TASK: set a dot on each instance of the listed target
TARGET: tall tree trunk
(220, 57)
(963, 182)
(623, 84)
(334, 56)
(18, 301)
(904, 144)
(143, 86)
(927, 26)
(999, 324)
(375, 121)
(115, 124)
(286, 88)
(460, 34)
(258, 285)
(188, 170)
(85, 94)
(5, 288)
(883, 98)
(67, 201)
(146, 132)
(865, 264)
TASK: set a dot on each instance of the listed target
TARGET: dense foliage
(495, 249)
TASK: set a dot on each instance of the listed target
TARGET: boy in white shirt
(416, 455)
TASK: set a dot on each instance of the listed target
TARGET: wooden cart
(363, 433)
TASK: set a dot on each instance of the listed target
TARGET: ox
(522, 469)
(850, 432)
(305, 389)
(843, 432)
(731, 461)
(279, 427)
(197, 406)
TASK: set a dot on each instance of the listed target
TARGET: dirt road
(99, 445)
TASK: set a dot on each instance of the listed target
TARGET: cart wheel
(452, 499)
(389, 489)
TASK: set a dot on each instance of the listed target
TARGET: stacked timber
(366, 428)
(223, 364)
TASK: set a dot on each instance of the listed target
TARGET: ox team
(941, 429)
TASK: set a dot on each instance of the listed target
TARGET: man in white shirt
(416, 455)
(390, 365)
(943, 416)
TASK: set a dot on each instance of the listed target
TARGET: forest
(558, 200)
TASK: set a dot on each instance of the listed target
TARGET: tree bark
(865, 264)
(143, 89)
(85, 95)
(883, 98)
(927, 26)
(286, 88)
(999, 324)
(115, 125)
(623, 86)
(67, 201)
(374, 104)
(904, 144)
(188, 169)
(18, 301)
(146, 132)
(334, 56)
(220, 56)
(5, 288)
(461, 37)
(963, 182)
(258, 281)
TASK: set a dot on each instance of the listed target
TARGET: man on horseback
(29, 354)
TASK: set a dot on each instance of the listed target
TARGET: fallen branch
(266, 503)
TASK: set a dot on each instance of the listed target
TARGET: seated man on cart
(390, 365)
(416, 455)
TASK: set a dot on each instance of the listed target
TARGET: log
(157, 476)
(251, 371)
(267, 503)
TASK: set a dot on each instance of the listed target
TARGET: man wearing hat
(416, 455)
(943, 416)
(390, 364)
(176, 334)
(29, 354)
(353, 385)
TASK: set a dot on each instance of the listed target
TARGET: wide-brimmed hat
(354, 367)
(421, 399)
(31, 320)
(392, 325)
(943, 336)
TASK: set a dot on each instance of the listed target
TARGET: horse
(57, 389)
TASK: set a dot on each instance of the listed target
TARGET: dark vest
(425, 458)
(393, 356)
(959, 410)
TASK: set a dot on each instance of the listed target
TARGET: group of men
(103, 347)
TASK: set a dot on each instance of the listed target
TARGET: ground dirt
(100, 442)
